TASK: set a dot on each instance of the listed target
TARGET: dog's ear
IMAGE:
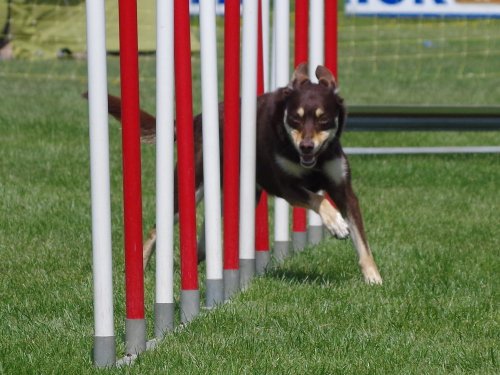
(342, 115)
(325, 77)
(299, 76)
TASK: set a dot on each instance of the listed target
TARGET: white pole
(316, 37)
(104, 336)
(265, 41)
(164, 303)
(211, 154)
(248, 146)
(272, 78)
(316, 57)
(281, 207)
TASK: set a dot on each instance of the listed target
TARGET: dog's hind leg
(201, 246)
(148, 247)
(201, 238)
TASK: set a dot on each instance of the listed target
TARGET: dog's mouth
(308, 160)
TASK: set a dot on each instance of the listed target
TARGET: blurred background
(391, 52)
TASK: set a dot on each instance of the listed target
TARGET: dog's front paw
(339, 227)
(333, 220)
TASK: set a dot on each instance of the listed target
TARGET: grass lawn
(432, 222)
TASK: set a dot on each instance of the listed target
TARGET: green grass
(432, 222)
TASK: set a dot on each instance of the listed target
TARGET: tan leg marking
(366, 262)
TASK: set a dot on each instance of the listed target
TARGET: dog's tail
(147, 121)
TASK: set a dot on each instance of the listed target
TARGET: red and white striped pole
(316, 57)
(331, 36)
(331, 45)
(266, 10)
(102, 268)
(262, 256)
(281, 207)
(248, 148)
(211, 155)
(165, 150)
(132, 205)
(190, 295)
(299, 228)
(231, 147)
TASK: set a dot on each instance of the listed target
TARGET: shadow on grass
(311, 277)
(318, 266)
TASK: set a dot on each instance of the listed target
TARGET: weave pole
(331, 46)
(231, 145)
(135, 325)
(299, 227)
(164, 294)
(281, 207)
(316, 57)
(248, 148)
(211, 155)
(262, 256)
(331, 36)
(104, 335)
(190, 295)
(266, 9)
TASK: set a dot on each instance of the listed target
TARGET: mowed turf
(432, 222)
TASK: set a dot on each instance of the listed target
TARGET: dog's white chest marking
(336, 170)
(290, 167)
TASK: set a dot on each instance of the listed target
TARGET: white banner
(429, 8)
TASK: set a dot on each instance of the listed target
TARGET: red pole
(261, 213)
(331, 45)
(331, 36)
(231, 144)
(301, 31)
(185, 147)
(132, 203)
(301, 55)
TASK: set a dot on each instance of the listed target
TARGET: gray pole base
(135, 336)
(281, 250)
(231, 283)
(247, 272)
(262, 260)
(164, 318)
(190, 305)
(299, 241)
(314, 234)
(214, 293)
(104, 351)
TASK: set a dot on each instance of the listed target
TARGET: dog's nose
(306, 146)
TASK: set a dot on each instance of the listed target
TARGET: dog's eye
(324, 121)
(293, 120)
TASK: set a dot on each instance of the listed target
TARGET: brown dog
(298, 155)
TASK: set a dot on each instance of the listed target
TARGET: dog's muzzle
(307, 155)
(308, 160)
